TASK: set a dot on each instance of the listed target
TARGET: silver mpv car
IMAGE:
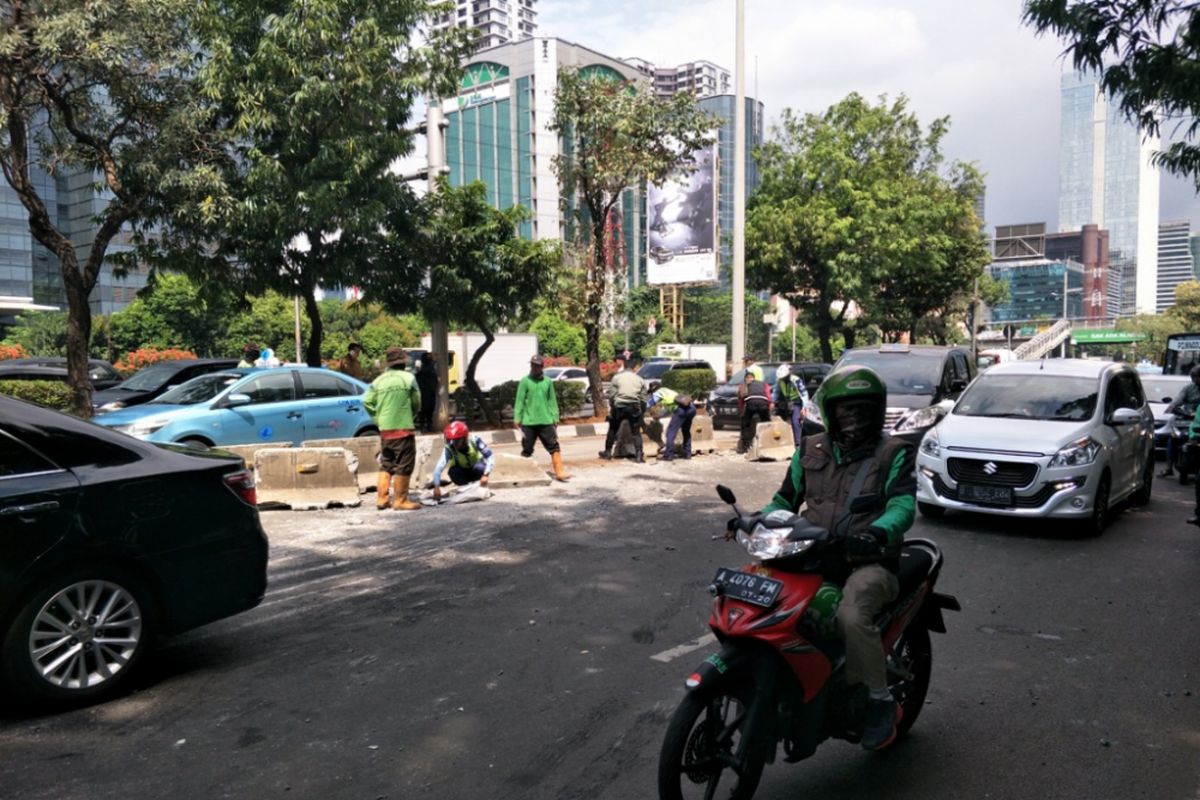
(1061, 438)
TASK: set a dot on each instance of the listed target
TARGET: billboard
(682, 224)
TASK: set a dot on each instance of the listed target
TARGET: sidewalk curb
(512, 436)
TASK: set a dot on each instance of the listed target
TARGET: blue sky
(969, 59)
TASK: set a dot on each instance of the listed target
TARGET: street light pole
(438, 330)
(739, 189)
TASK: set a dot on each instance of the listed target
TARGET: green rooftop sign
(1105, 336)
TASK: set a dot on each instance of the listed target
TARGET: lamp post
(1065, 292)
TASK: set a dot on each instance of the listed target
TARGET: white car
(1062, 438)
(574, 374)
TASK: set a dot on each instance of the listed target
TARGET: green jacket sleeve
(519, 403)
(1194, 428)
(552, 400)
(371, 402)
(414, 392)
(791, 494)
(901, 493)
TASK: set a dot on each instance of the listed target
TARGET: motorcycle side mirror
(864, 503)
(726, 494)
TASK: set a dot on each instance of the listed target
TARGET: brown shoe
(382, 483)
(559, 473)
(402, 503)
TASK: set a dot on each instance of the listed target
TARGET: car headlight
(921, 418)
(1077, 454)
(146, 427)
(768, 543)
(931, 445)
(115, 405)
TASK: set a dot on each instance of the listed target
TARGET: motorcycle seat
(915, 563)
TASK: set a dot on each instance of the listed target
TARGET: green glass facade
(1036, 291)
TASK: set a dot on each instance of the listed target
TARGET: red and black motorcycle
(779, 677)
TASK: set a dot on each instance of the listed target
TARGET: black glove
(865, 545)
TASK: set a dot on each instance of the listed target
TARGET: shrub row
(52, 394)
(696, 382)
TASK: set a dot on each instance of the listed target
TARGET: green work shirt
(393, 400)
(536, 403)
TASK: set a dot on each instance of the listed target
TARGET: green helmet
(850, 383)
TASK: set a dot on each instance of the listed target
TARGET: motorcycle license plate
(753, 589)
(988, 495)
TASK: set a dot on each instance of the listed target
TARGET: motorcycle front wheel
(708, 750)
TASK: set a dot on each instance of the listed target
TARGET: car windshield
(1044, 397)
(552, 372)
(1163, 390)
(904, 372)
(147, 379)
(198, 390)
(769, 374)
(655, 370)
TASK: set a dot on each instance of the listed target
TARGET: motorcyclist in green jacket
(853, 459)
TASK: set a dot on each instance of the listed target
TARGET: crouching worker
(682, 411)
(469, 458)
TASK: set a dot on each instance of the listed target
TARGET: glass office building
(1035, 290)
(1174, 260)
(1106, 179)
(722, 107)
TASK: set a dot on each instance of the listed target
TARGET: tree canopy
(1147, 54)
(859, 220)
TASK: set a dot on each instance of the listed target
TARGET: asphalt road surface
(505, 649)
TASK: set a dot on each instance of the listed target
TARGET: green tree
(481, 273)
(99, 89)
(707, 315)
(859, 221)
(315, 99)
(41, 333)
(1146, 53)
(1156, 328)
(268, 321)
(620, 135)
(557, 337)
(172, 312)
(1187, 306)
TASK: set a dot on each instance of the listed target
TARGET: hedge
(52, 394)
(570, 396)
(696, 382)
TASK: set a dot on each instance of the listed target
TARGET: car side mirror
(1124, 416)
(957, 385)
(236, 399)
(865, 503)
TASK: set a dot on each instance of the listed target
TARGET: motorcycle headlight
(144, 428)
(1077, 454)
(767, 543)
(921, 418)
(115, 405)
(931, 445)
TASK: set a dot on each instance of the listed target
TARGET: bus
(1183, 353)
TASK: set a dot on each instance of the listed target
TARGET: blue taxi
(251, 406)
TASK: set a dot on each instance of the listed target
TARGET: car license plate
(729, 412)
(754, 589)
(987, 495)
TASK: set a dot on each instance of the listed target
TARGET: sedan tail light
(241, 483)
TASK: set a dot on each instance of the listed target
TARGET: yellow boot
(402, 503)
(559, 473)
(382, 482)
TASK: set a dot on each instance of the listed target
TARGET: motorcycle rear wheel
(701, 746)
(913, 655)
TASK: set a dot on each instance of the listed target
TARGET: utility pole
(739, 189)
(438, 333)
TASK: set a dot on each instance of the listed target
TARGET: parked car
(723, 405)
(923, 382)
(1160, 391)
(1062, 438)
(101, 373)
(241, 406)
(147, 384)
(653, 373)
(574, 374)
(109, 542)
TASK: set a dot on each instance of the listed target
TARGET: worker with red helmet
(468, 457)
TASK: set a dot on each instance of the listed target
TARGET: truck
(714, 354)
(506, 360)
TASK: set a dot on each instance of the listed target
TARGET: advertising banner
(682, 224)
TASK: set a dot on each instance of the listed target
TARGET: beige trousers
(868, 589)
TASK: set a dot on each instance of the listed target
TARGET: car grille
(992, 473)
(1036, 500)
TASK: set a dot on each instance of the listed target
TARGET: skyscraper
(1174, 260)
(722, 107)
(1106, 179)
(701, 78)
(498, 21)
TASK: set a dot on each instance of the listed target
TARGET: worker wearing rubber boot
(467, 456)
(626, 402)
(854, 459)
(393, 401)
(535, 413)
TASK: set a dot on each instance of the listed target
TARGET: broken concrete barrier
(365, 457)
(305, 478)
(247, 451)
(513, 471)
(772, 442)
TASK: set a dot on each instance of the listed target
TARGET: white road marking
(666, 656)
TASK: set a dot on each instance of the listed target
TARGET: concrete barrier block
(702, 435)
(513, 471)
(247, 451)
(305, 478)
(429, 450)
(772, 442)
(363, 457)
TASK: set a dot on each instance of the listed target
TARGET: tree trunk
(824, 334)
(848, 336)
(312, 352)
(597, 270)
(79, 334)
(595, 383)
(493, 416)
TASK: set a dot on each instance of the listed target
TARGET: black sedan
(52, 368)
(147, 384)
(108, 541)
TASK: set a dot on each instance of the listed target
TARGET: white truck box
(714, 354)
(506, 360)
